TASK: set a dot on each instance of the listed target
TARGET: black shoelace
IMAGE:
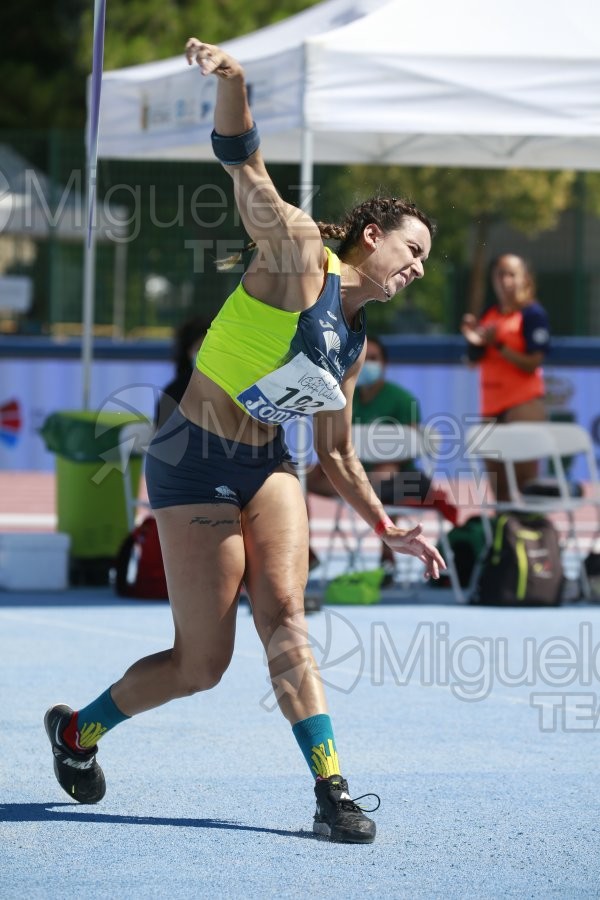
(353, 804)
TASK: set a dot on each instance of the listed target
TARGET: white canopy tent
(164, 110)
(474, 84)
(467, 83)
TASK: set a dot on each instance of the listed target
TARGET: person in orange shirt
(509, 343)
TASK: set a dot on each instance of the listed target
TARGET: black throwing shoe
(77, 773)
(338, 817)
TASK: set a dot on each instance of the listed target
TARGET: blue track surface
(209, 796)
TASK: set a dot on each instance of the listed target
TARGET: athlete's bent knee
(284, 628)
(286, 609)
(203, 676)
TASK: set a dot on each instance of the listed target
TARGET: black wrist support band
(234, 150)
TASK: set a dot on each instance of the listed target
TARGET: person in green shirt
(378, 400)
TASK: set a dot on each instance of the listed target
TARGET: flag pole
(89, 251)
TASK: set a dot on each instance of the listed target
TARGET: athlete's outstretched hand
(413, 543)
(211, 59)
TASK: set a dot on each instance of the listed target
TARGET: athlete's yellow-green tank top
(278, 365)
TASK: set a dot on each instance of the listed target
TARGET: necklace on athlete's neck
(383, 287)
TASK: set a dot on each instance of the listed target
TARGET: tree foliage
(530, 200)
(46, 49)
(591, 192)
(45, 59)
(465, 203)
(42, 85)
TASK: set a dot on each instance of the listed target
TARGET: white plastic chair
(377, 443)
(525, 441)
(573, 440)
(133, 438)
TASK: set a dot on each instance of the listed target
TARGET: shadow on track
(61, 812)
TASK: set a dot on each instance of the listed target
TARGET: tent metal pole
(94, 90)
(89, 279)
(580, 312)
(306, 171)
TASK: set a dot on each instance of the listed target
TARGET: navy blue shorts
(187, 464)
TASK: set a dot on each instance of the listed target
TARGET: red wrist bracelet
(383, 525)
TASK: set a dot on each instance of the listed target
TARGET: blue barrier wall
(39, 376)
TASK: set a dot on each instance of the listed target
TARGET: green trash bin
(90, 494)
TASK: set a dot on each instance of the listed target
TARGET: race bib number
(300, 388)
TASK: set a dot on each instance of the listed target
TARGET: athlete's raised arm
(288, 239)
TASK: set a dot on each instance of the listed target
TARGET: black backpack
(523, 566)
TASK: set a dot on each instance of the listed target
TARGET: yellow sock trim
(90, 734)
(325, 762)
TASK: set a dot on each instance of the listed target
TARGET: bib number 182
(301, 404)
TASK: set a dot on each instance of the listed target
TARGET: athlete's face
(400, 254)
(511, 281)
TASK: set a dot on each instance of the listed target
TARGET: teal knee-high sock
(87, 725)
(315, 739)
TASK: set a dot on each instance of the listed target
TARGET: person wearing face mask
(187, 341)
(378, 400)
(508, 344)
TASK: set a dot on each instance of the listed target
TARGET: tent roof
(164, 110)
(475, 84)
(511, 30)
(468, 83)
